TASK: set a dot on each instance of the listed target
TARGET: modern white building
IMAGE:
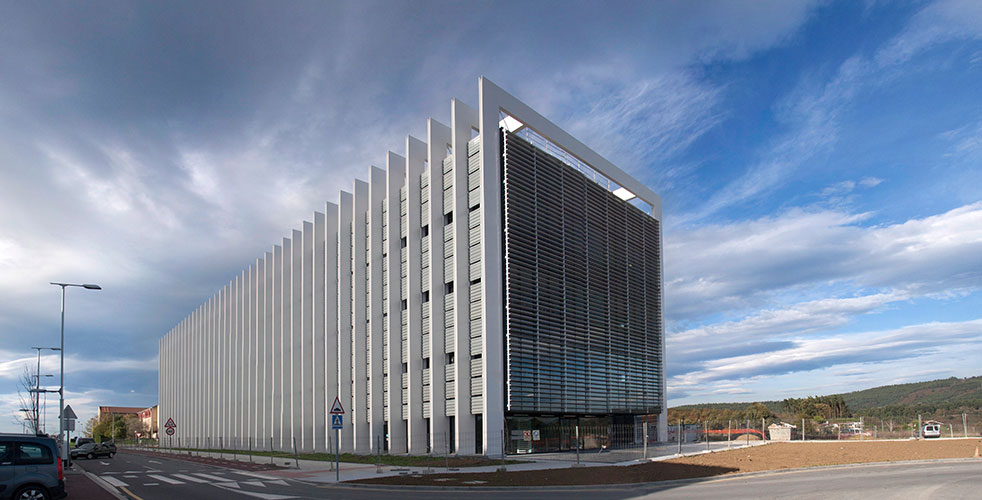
(497, 273)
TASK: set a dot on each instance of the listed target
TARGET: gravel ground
(774, 456)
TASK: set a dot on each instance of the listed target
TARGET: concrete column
(277, 347)
(305, 442)
(331, 301)
(286, 343)
(319, 289)
(359, 405)
(296, 328)
(376, 197)
(465, 119)
(235, 345)
(416, 425)
(259, 357)
(345, 219)
(242, 316)
(492, 229)
(269, 389)
(396, 178)
(248, 367)
(438, 140)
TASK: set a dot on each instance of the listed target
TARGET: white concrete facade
(391, 300)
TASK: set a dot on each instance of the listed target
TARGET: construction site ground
(774, 456)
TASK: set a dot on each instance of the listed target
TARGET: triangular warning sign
(170, 423)
(336, 408)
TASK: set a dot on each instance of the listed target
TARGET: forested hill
(942, 394)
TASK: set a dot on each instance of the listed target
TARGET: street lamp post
(37, 388)
(61, 390)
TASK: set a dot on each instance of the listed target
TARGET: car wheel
(90, 456)
(111, 455)
(31, 493)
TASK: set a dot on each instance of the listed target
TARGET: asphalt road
(157, 478)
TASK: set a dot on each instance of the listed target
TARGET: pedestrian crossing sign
(337, 421)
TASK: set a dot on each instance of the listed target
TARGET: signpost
(171, 426)
(69, 416)
(337, 422)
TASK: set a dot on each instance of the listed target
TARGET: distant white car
(932, 431)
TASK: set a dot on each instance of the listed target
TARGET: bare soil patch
(754, 459)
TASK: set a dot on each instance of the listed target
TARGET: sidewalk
(78, 485)
(323, 472)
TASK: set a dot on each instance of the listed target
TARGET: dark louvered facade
(583, 292)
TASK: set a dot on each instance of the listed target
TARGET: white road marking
(265, 496)
(113, 481)
(151, 484)
(230, 485)
(130, 472)
(279, 482)
(189, 478)
(253, 474)
(103, 463)
(130, 477)
(210, 477)
(153, 461)
(166, 479)
(254, 483)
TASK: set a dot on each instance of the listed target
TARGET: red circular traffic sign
(170, 431)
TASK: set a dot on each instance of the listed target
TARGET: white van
(932, 431)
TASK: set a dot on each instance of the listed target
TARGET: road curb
(103, 484)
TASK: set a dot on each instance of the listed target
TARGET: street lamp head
(91, 286)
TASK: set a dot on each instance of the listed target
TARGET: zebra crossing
(154, 477)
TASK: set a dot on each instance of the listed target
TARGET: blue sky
(820, 165)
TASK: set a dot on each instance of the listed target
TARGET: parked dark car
(93, 450)
(30, 468)
(83, 440)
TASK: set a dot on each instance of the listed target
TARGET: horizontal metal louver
(449, 373)
(474, 198)
(477, 386)
(477, 405)
(426, 409)
(583, 291)
(449, 340)
(451, 407)
(476, 366)
(451, 389)
(426, 376)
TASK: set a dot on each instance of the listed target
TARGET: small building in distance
(780, 431)
(148, 417)
(105, 411)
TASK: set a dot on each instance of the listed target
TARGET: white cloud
(823, 353)
(724, 267)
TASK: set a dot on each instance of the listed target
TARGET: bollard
(378, 452)
(271, 449)
(250, 450)
(446, 437)
(296, 458)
